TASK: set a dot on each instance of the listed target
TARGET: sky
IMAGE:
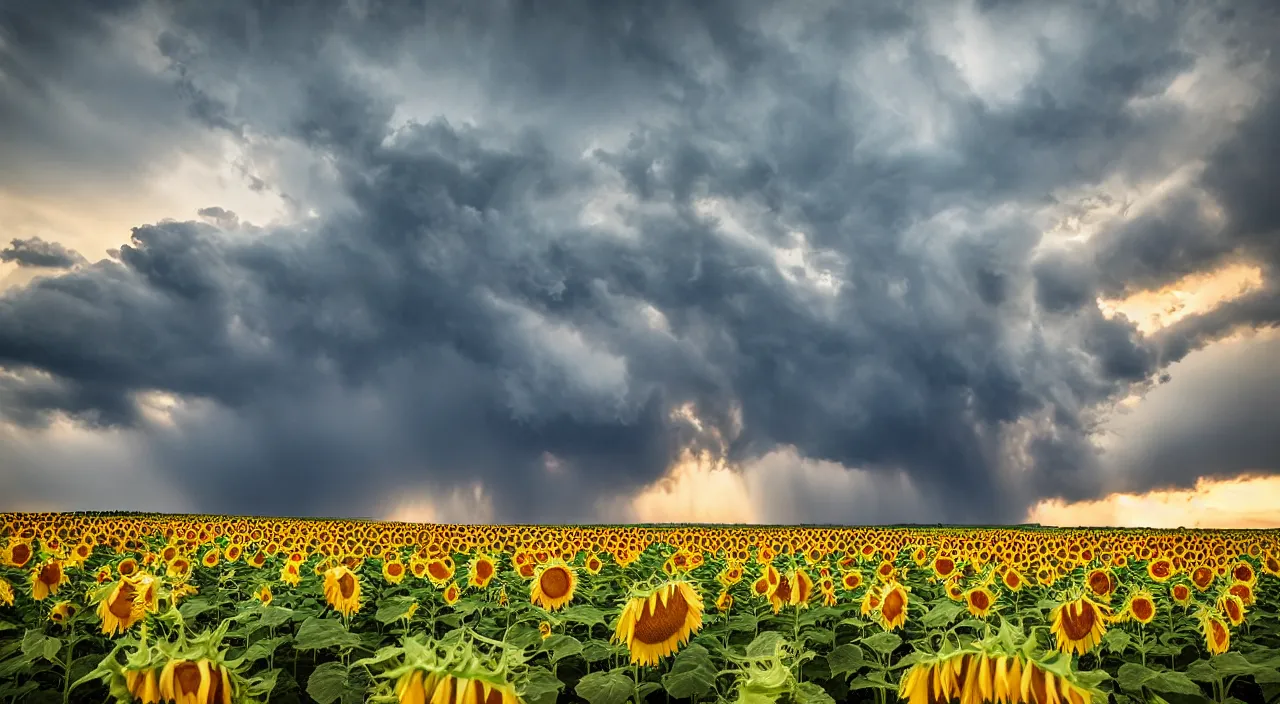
(769, 262)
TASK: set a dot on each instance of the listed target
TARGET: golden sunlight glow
(699, 488)
(1194, 294)
(1245, 502)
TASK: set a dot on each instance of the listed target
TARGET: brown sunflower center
(1243, 573)
(1012, 580)
(20, 554)
(122, 606)
(1100, 583)
(1077, 624)
(944, 566)
(661, 621)
(1160, 569)
(554, 582)
(187, 678)
(484, 569)
(347, 585)
(1219, 632)
(979, 600)
(783, 590)
(395, 569)
(1181, 593)
(438, 570)
(51, 574)
(894, 602)
(1202, 577)
(1142, 608)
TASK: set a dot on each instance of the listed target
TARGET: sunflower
(724, 602)
(979, 600)
(482, 571)
(143, 685)
(440, 570)
(1271, 564)
(655, 622)
(943, 567)
(195, 682)
(851, 580)
(544, 629)
(1244, 590)
(1140, 607)
(801, 588)
(1101, 582)
(451, 689)
(47, 578)
(393, 571)
(781, 594)
(1078, 625)
(62, 612)
(16, 554)
(1160, 569)
(1232, 607)
(121, 607)
(1181, 594)
(893, 605)
(210, 558)
(1202, 577)
(553, 585)
(1217, 636)
(263, 594)
(452, 593)
(342, 590)
(6, 592)
(1012, 579)
(593, 564)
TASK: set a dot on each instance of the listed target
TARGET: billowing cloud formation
(840, 239)
(35, 252)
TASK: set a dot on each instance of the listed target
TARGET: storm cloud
(525, 239)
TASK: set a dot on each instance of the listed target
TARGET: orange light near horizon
(1245, 502)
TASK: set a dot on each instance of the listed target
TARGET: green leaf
(35, 644)
(541, 687)
(883, 643)
(821, 613)
(765, 644)
(845, 659)
(692, 674)
(743, 622)
(262, 685)
(585, 614)
(394, 608)
(1173, 682)
(605, 688)
(1116, 640)
(873, 680)
(263, 648)
(1202, 671)
(192, 608)
(942, 614)
(596, 650)
(322, 633)
(273, 616)
(328, 683)
(810, 693)
(561, 646)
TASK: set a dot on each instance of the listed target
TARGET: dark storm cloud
(35, 252)
(456, 318)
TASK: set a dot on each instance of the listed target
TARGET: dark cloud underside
(549, 228)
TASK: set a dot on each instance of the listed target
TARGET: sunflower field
(214, 609)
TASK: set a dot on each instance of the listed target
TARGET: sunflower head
(656, 621)
(342, 590)
(1079, 624)
(1140, 607)
(62, 613)
(893, 605)
(553, 585)
(979, 601)
(481, 571)
(1217, 635)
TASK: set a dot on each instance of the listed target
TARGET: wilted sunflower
(121, 607)
(724, 602)
(195, 682)
(342, 590)
(801, 588)
(1078, 625)
(553, 585)
(290, 574)
(143, 685)
(893, 606)
(1217, 636)
(1244, 590)
(47, 578)
(263, 594)
(1232, 607)
(62, 612)
(655, 622)
(6, 592)
(452, 593)
(481, 572)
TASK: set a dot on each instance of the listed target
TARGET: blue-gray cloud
(535, 233)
